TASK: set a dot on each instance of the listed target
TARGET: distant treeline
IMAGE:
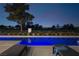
(65, 27)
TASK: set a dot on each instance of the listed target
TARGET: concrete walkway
(76, 48)
(46, 50)
(4, 45)
(41, 51)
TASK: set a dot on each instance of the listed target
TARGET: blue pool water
(50, 41)
(10, 38)
(44, 40)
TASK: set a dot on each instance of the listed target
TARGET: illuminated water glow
(35, 41)
(43, 40)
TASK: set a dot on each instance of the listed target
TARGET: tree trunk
(21, 28)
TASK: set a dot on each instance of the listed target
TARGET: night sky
(48, 14)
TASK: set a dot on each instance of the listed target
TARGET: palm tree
(18, 13)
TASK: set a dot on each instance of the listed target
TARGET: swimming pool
(37, 41)
(50, 41)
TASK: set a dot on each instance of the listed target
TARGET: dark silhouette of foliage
(18, 13)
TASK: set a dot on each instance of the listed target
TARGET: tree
(71, 27)
(57, 26)
(53, 27)
(18, 13)
(66, 26)
(36, 26)
(40, 27)
(17, 27)
(2, 27)
(10, 27)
